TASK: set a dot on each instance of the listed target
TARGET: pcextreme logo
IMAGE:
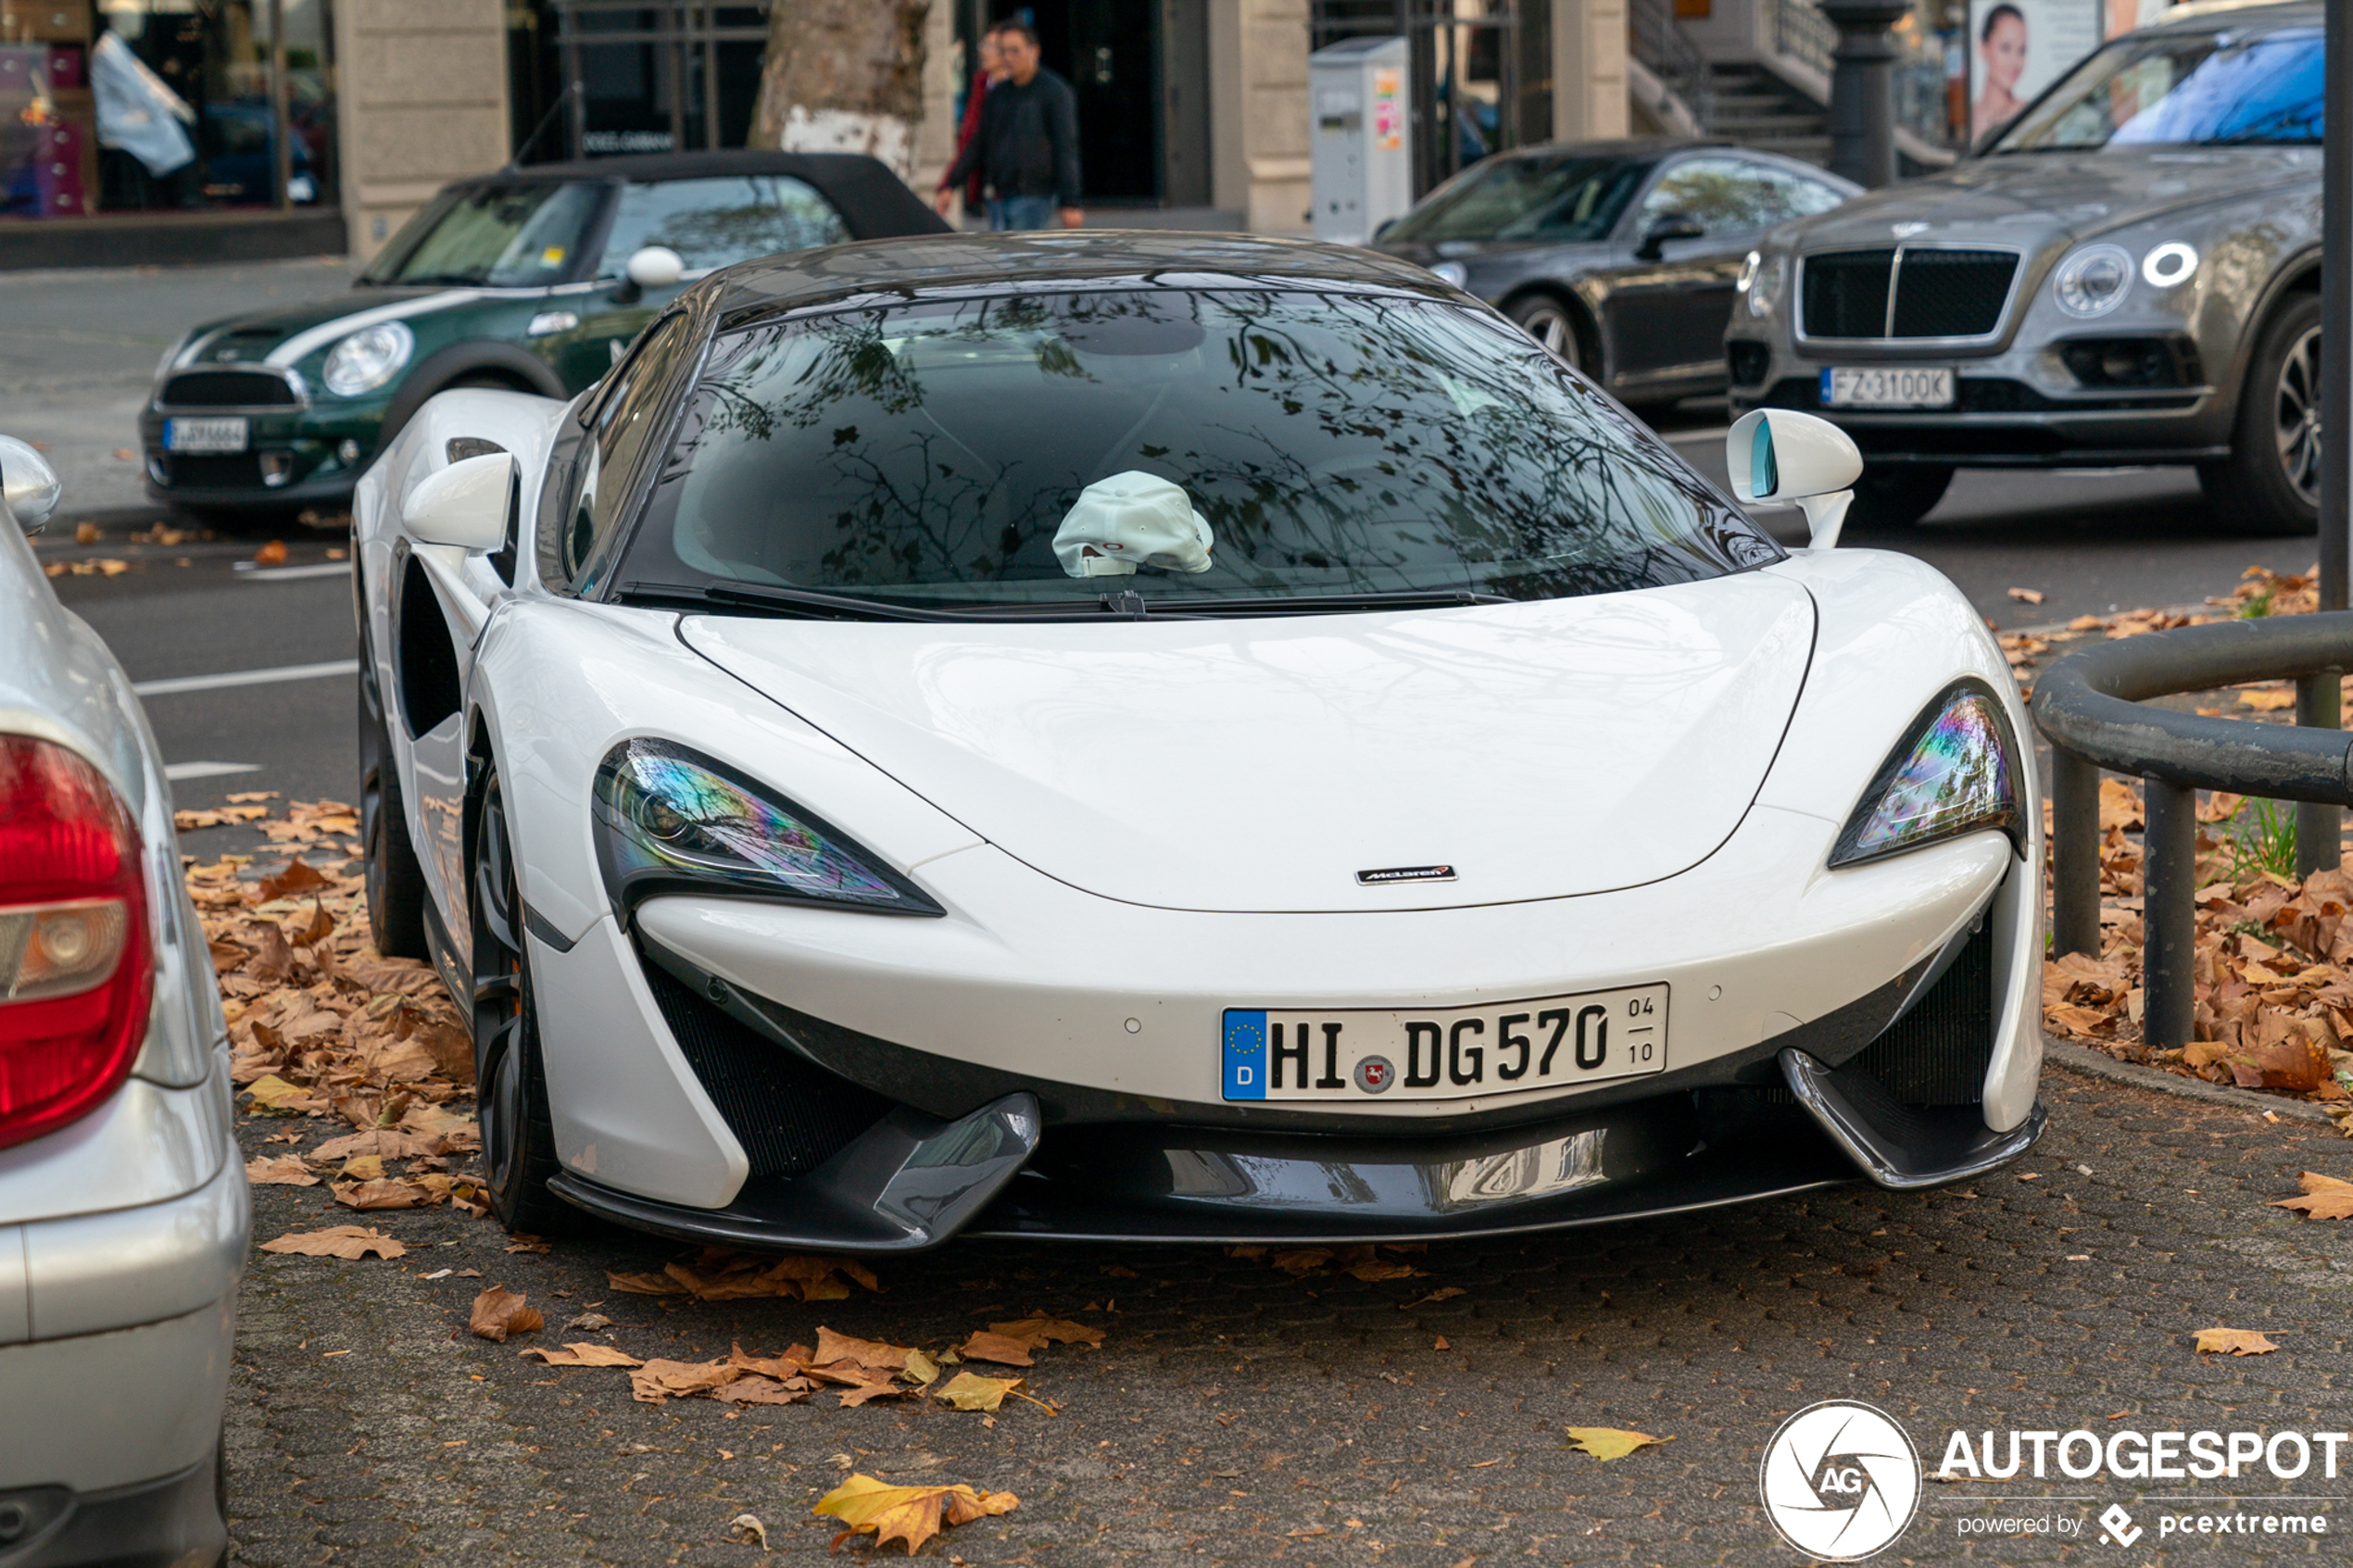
(1840, 1481)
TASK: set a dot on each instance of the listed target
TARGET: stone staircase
(1749, 105)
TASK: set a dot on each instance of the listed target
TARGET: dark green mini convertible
(530, 279)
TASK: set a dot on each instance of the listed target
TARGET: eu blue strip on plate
(1245, 1055)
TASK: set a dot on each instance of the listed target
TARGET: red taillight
(75, 967)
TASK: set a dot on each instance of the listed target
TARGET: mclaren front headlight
(670, 821)
(1761, 279)
(1955, 773)
(367, 358)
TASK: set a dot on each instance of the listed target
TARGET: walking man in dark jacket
(1027, 147)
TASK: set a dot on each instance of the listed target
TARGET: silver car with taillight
(124, 1217)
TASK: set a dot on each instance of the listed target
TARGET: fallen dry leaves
(719, 1274)
(2325, 1197)
(1607, 1443)
(337, 1241)
(498, 1312)
(913, 1515)
(2272, 970)
(2237, 1341)
(1362, 1262)
(285, 1170)
(584, 1354)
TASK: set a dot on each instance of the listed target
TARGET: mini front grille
(228, 389)
(1937, 1054)
(790, 1116)
(240, 470)
(1938, 293)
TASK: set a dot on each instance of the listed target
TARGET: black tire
(1553, 323)
(510, 1084)
(1897, 494)
(2270, 484)
(395, 882)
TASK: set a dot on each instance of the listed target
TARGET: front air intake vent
(790, 1116)
(1938, 1053)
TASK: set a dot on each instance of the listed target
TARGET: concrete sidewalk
(79, 351)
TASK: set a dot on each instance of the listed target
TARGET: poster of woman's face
(2019, 47)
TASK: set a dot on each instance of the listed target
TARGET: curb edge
(2086, 1062)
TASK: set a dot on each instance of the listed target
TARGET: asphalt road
(1237, 1414)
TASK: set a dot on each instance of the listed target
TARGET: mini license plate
(1444, 1053)
(222, 434)
(1882, 387)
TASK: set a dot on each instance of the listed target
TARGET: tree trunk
(844, 76)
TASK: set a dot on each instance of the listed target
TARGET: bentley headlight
(1953, 775)
(367, 358)
(2093, 281)
(1760, 283)
(672, 822)
(1453, 273)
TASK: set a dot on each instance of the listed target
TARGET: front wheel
(2270, 482)
(510, 1084)
(1897, 496)
(1549, 322)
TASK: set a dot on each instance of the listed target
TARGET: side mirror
(1673, 226)
(27, 484)
(465, 504)
(655, 267)
(1776, 455)
(1386, 226)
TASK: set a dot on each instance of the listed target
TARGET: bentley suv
(2128, 273)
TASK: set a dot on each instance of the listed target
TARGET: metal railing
(1801, 33)
(1669, 53)
(2091, 707)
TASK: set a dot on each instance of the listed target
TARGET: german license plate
(222, 434)
(1880, 387)
(1444, 1053)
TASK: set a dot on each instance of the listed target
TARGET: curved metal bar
(2089, 703)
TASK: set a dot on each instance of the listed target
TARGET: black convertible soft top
(876, 203)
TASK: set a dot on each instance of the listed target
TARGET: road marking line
(246, 678)
(1682, 437)
(295, 573)
(178, 773)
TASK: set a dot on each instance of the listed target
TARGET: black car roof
(876, 203)
(953, 262)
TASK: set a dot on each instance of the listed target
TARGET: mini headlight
(1450, 273)
(1760, 283)
(2093, 281)
(1952, 776)
(367, 358)
(672, 821)
(2169, 264)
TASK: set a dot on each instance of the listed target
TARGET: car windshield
(1244, 443)
(2176, 89)
(1514, 198)
(712, 222)
(497, 236)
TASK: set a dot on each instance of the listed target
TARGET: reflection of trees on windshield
(1333, 442)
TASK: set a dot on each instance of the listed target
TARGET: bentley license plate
(1444, 1053)
(1883, 387)
(204, 435)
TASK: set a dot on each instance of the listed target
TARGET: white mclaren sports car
(1174, 738)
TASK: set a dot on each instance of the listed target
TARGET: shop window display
(164, 105)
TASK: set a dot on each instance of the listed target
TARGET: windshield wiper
(803, 603)
(1312, 604)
